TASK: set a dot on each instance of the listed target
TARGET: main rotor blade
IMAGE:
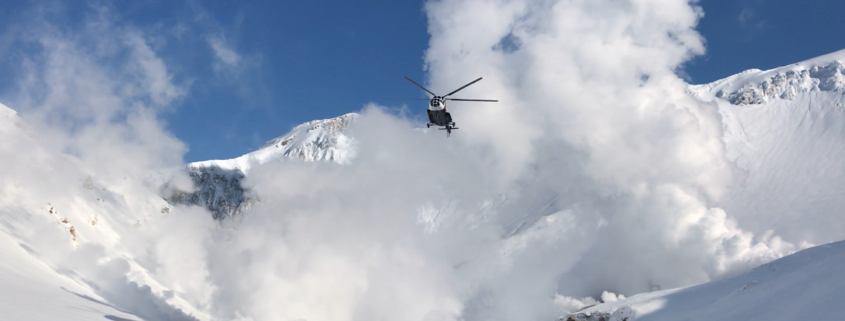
(465, 86)
(409, 99)
(485, 100)
(418, 85)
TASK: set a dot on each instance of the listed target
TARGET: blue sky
(254, 69)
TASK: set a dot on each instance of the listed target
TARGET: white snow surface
(31, 290)
(787, 144)
(808, 285)
(63, 242)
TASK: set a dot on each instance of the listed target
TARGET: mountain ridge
(755, 86)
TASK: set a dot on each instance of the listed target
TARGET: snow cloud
(596, 174)
(96, 90)
(594, 177)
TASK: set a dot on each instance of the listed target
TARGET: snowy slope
(31, 290)
(807, 285)
(63, 239)
(218, 183)
(784, 130)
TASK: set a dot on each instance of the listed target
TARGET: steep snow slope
(807, 285)
(66, 239)
(784, 130)
(31, 290)
(218, 182)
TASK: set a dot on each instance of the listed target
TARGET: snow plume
(592, 178)
(590, 93)
(97, 90)
(596, 172)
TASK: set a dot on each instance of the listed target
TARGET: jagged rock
(754, 86)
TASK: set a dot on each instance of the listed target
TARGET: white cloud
(234, 64)
(223, 52)
(749, 19)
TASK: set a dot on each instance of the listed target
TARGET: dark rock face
(218, 190)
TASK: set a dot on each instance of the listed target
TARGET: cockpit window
(436, 102)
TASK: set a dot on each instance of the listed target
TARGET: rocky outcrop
(623, 314)
(216, 189)
(787, 84)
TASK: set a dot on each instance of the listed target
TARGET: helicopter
(437, 114)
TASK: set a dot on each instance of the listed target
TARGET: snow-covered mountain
(218, 183)
(83, 244)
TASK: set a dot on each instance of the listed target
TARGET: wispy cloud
(749, 18)
(223, 51)
(233, 66)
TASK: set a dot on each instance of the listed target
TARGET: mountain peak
(316, 140)
(337, 125)
(218, 182)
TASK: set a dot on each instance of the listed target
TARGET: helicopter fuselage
(437, 114)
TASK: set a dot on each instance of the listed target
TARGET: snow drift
(807, 285)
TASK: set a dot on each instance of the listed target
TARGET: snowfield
(32, 290)
(807, 285)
